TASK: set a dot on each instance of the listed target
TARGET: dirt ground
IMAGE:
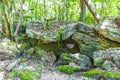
(47, 73)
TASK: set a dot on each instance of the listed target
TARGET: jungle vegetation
(22, 12)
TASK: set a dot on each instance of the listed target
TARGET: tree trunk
(92, 10)
(83, 11)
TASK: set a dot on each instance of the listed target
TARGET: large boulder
(90, 38)
(109, 30)
(87, 44)
(56, 31)
(108, 59)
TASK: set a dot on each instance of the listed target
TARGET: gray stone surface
(107, 59)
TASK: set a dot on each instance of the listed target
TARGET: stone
(108, 59)
(86, 29)
(57, 31)
(77, 60)
(109, 66)
(116, 59)
(64, 59)
(48, 58)
(98, 61)
(7, 49)
(87, 44)
(2, 75)
(108, 31)
(82, 60)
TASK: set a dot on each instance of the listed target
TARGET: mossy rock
(98, 61)
(106, 75)
(68, 69)
(112, 75)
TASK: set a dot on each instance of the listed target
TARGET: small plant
(59, 33)
(68, 69)
(21, 37)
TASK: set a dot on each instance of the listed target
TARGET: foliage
(23, 46)
(67, 69)
(25, 74)
(53, 10)
(21, 37)
(59, 34)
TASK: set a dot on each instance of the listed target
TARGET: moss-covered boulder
(109, 31)
(93, 38)
(87, 44)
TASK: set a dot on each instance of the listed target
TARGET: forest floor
(47, 73)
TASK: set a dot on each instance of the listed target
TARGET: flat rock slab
(109, 30)
(52, 33)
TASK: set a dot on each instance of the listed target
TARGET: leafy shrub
(68, 69)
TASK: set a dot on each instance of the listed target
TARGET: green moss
(64, 56)
(68, 69)
(25, 74)
(93, 73)
(112, 74)
(105, 74)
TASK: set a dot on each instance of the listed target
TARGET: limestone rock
(55, 32)
(82, 60)
(108, 30)
(87, 44)
(86, 29)
(77, 60)
(109, 66)
(108, 59)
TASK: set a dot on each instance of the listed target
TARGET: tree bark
(83, 11)
(92, 10)
(20, 21)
